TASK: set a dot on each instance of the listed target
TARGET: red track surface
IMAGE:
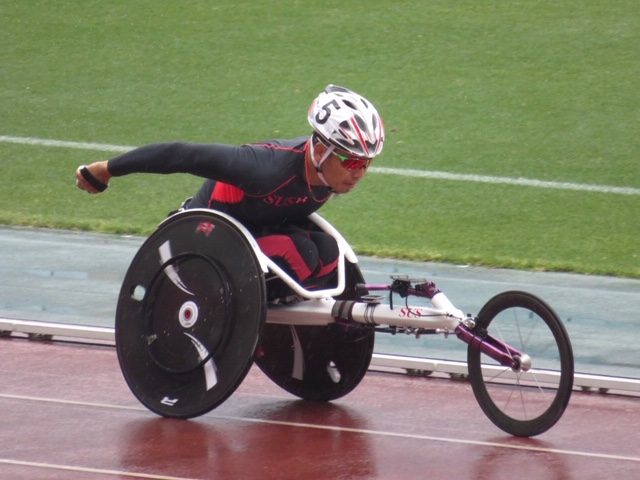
(68, 414)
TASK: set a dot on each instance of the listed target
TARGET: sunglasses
(353, 163)
(349, 162)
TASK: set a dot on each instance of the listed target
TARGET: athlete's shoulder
(292, 144)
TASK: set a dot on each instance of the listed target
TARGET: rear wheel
(318, 362)
(531, 397)
(190, 312)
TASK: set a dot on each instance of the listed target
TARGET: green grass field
(539, 90)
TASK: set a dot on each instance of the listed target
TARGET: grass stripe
(382, 170)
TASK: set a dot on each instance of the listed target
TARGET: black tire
(190, 313)
(335, 358)
(522, 403)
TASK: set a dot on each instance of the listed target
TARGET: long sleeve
(215, 161)
(257, 168)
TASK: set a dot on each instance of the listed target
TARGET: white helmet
(348, 121)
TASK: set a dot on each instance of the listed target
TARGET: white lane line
(71, 402)
(352, 430)
(59, 143)
(72, 468)
(431, 438)
(431, 174)
(527, 182)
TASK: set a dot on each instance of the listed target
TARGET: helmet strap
(318, 165)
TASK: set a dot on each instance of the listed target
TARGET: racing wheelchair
(196, 310)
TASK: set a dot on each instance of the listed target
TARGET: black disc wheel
(190, 312)
(529, 396)
(318, 362)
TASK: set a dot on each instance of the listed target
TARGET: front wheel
(530, 398)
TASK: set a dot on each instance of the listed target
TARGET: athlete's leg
(310, 258)
(328, 254)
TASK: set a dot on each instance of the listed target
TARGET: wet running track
(68, 414)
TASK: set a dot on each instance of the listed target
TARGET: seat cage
(268, 265)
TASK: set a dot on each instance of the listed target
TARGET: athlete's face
(342, 175)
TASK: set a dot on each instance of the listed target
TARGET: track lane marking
(72, 468)
(379, 433)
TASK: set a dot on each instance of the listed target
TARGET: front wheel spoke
(498, 375)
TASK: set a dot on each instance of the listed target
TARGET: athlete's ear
(319, 149)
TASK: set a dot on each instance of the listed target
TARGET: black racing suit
(264, 186)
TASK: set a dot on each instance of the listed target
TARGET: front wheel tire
(522, 401)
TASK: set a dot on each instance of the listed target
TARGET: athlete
(271, 187)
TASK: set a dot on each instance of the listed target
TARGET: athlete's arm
(225, 163)
(215, 161)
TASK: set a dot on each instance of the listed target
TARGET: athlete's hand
(93, 178)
